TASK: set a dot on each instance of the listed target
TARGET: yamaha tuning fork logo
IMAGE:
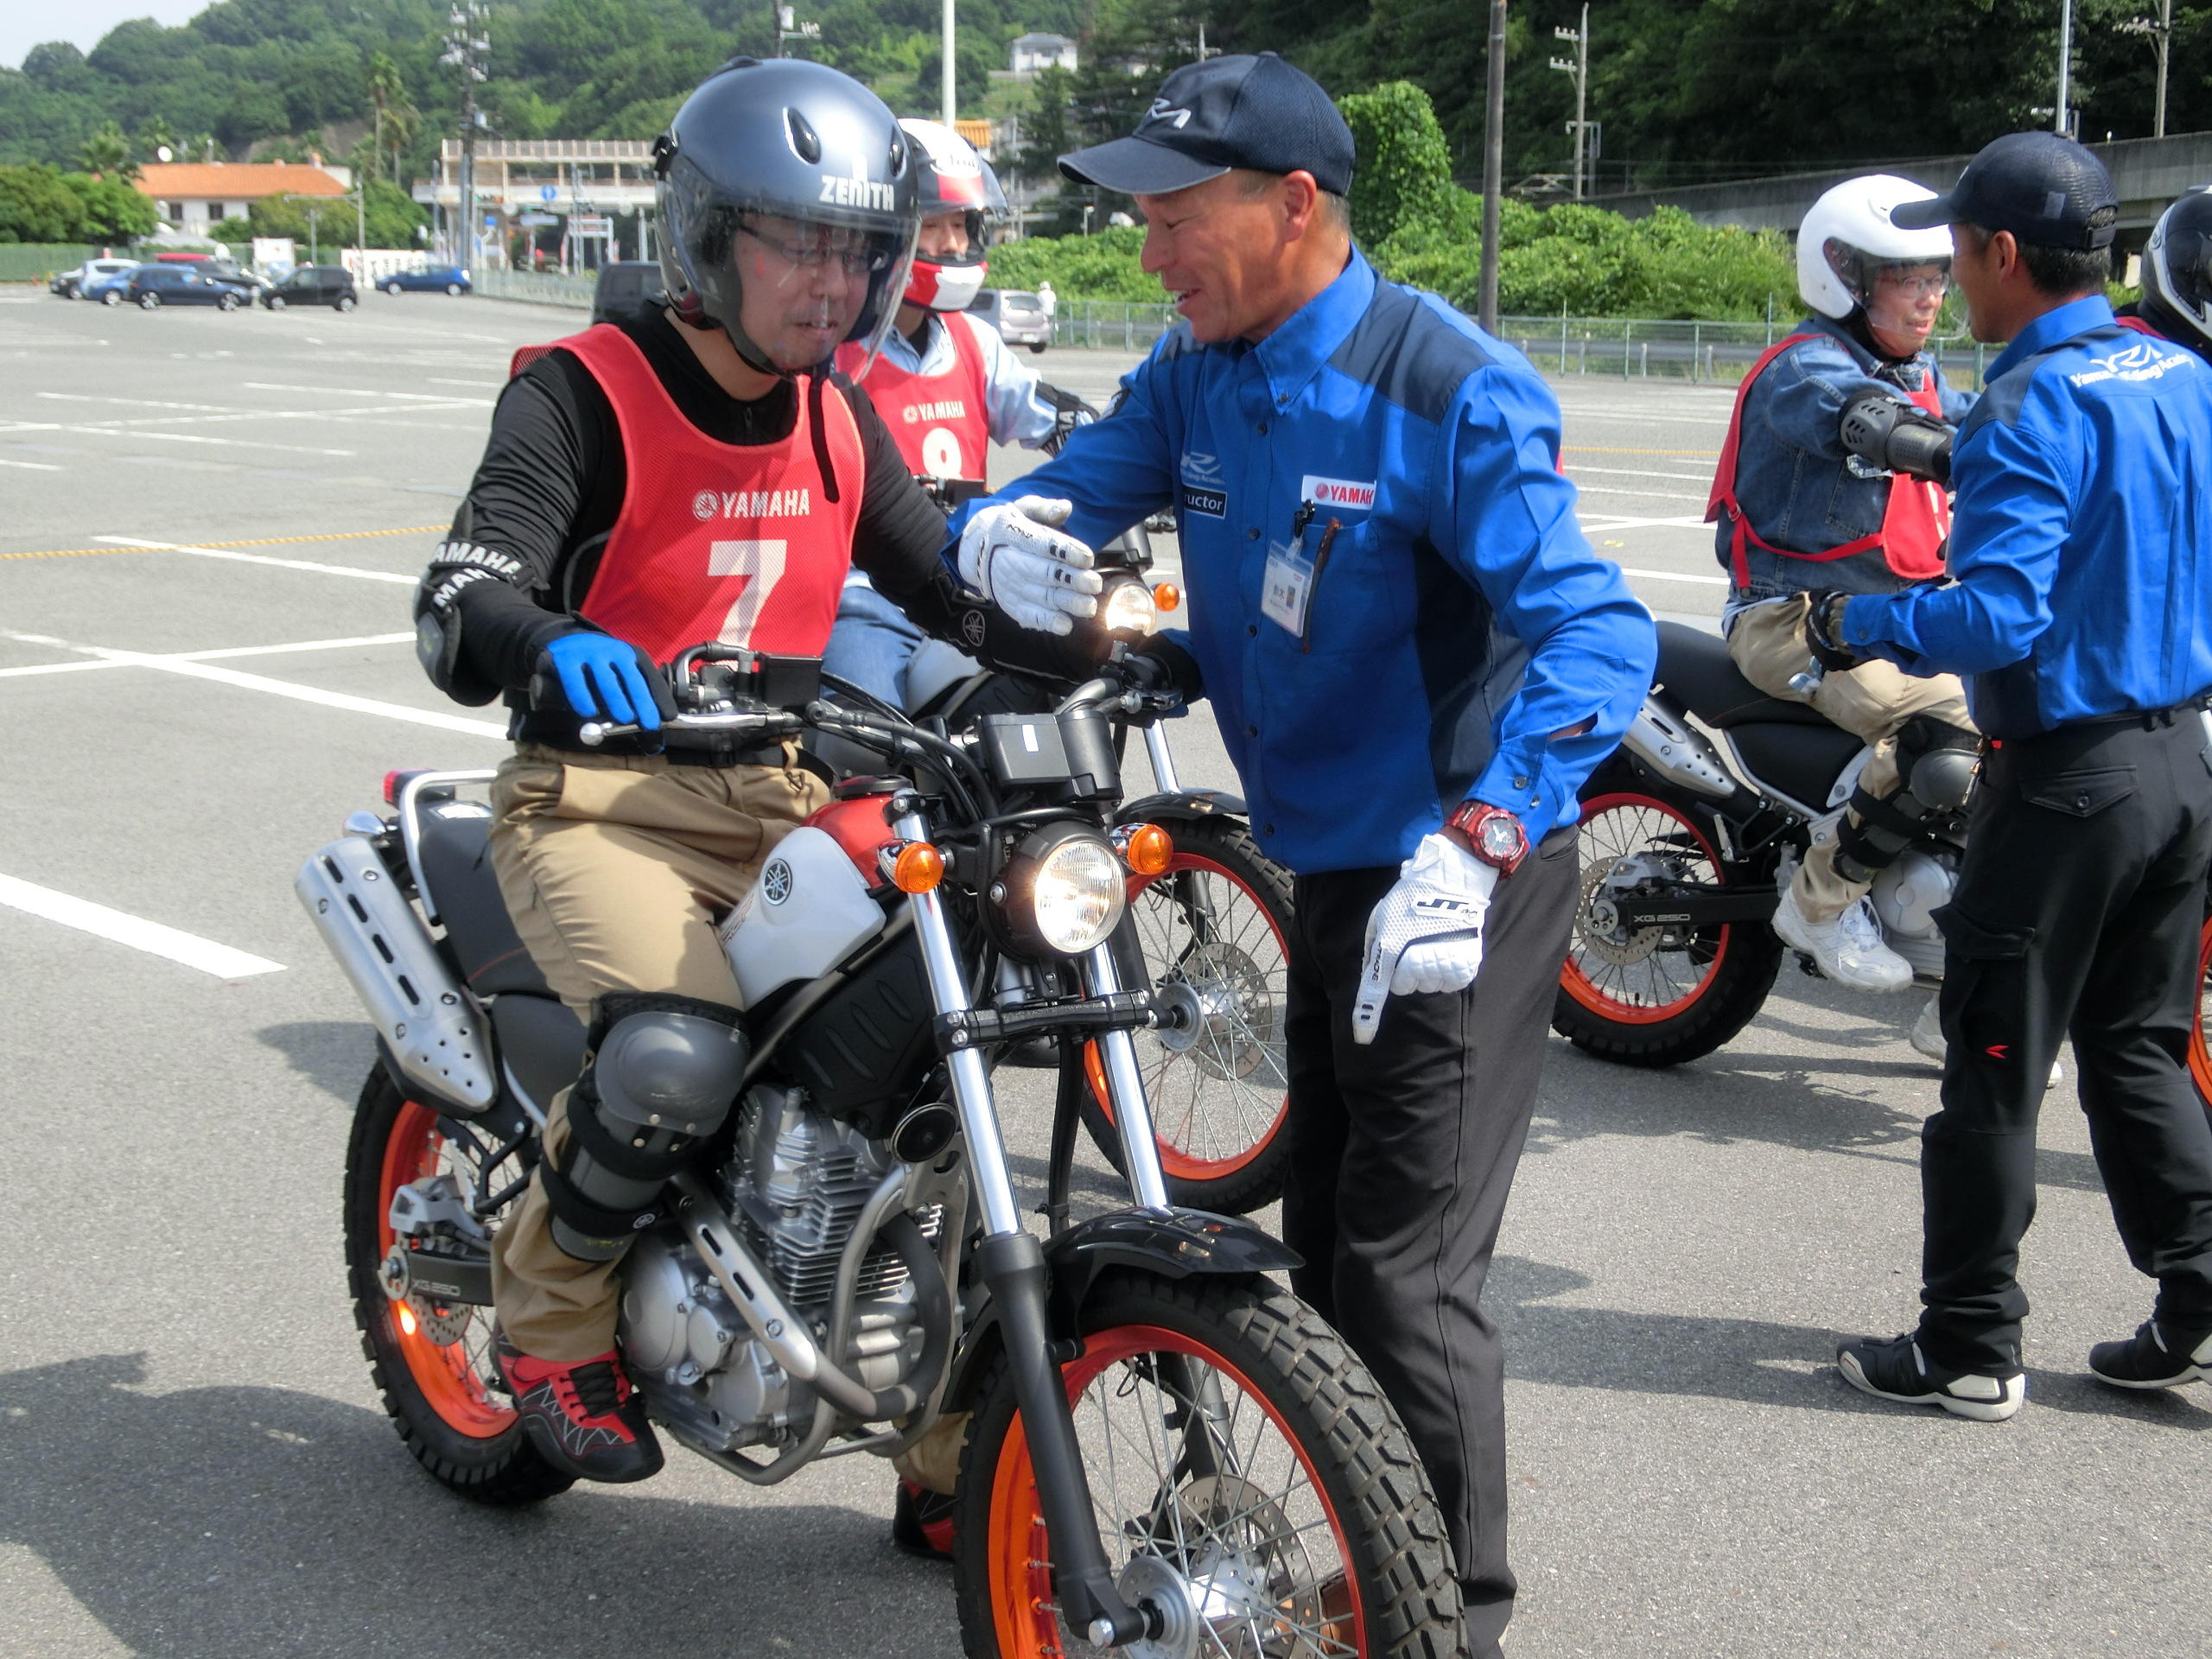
(776, 881)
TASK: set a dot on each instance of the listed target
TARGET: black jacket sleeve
(899, 543)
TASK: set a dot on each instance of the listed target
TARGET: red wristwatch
(1493, 834)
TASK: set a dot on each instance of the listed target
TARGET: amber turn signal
(919, 868)
(1147, 849)
(1166, 595)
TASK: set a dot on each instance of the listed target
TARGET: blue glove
(601, 678)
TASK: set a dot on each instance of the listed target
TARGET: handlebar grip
(592, 733)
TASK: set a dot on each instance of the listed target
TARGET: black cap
(1256, 112)
(2041, 187)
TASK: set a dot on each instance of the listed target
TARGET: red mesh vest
(717, 541)
(941, 422)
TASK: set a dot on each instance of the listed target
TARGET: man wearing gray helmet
(688, 475)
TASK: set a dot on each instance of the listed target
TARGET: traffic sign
(591, 225)
(548, 192)
(537, 221)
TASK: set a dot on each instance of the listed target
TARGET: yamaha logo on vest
(953, 411)
(752, 504)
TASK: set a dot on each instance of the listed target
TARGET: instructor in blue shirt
(1415, 659)
(2081, 618)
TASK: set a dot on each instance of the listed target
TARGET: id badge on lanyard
(1286, 585)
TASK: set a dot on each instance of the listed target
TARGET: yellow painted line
(259, 541)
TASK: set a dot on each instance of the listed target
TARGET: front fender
(1174, 1243)
(1184, 805)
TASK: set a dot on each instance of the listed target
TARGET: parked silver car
(71, 284)
(1019, 317)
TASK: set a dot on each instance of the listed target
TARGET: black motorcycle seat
(457, 868)
(1696, 666)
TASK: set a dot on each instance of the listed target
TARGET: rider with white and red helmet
(944, 382)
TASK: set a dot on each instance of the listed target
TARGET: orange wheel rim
(2200, 1060)
(444, 1376)
(1175, 1160)
(1017, 1553)
(1593, 996)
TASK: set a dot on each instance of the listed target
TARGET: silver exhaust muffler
(425, 1019)
(1677, 752)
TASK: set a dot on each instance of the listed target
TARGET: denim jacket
(1798, 484)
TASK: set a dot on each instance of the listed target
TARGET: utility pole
(1578, 66)
(466, 45)
(2065, 64)
(1493, 165)
(947, 76)
(2162, 36)
(788, 27)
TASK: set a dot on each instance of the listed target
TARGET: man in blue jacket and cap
(1416, 659)
(2081, 618)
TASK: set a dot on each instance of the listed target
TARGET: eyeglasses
(1912, 287)
(853, 262)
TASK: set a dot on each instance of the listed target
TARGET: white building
(1034, 52)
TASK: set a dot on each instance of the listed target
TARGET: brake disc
(1235, 1025)
(1599, 923)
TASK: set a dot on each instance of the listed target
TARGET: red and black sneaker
(583, 1418)
(921, 1522)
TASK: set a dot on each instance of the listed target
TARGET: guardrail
(536, 287)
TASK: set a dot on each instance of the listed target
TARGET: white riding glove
(1016, 555)
(1427, 933)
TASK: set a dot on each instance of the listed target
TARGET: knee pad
(1935, 770)
(660, 1077)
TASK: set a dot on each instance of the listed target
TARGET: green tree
(107, 152)
(1404, 172)
(36, 206)
(390, 111)
(111, 211)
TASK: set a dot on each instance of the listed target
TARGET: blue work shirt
(1459, 619)
(1799, 486)
(2080, 536)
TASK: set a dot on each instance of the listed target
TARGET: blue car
(154, 286)
(112, 289)
(429, 279)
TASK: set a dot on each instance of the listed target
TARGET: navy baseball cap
(2041, 187)
(1257, 112)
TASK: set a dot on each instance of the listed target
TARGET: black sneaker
(2153, 1357)
(921, 1522)
(1895, 1368)
(583, 1419)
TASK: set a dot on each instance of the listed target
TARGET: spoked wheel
(1256, 1496)
(2199, 1057)
(1212, 928)
(432, 1364)
(1656, 995)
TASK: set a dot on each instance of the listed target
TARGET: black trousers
(1401, 1157)
(2076, 914)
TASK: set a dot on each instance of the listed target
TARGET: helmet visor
(793, 285)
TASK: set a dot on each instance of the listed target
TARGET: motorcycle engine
(1905, 897)
(796, 1183)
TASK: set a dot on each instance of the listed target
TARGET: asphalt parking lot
(212, 526)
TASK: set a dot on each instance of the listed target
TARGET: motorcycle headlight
(1063, 891)
(1127, 607)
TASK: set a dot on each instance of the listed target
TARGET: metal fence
(536, 287)
(1717, 352)
(35, 262)
(1631, 347)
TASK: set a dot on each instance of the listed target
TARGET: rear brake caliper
(441, 1259)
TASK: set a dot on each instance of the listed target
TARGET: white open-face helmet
(1847, 238)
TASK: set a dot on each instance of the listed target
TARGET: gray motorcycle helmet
(792, 139)
(2178, 272)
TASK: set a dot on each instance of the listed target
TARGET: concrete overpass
(2150, 172)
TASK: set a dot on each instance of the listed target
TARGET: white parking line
(1677, 576)
(1642, 495)
(259, 558)
(35, 669)
(445, 397)
(32, 466)
(1598, 521)
(136, 931)
(231, 677)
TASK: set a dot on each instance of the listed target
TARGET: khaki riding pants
(1872, 701)
(615, 869)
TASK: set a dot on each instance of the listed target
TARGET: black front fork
(1013, 1267)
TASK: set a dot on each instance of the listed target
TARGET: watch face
(1499, 837)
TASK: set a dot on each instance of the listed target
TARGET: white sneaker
(1927, 1037)
(1849, 950)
